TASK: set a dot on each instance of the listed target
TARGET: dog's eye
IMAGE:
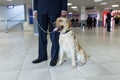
(60, 20)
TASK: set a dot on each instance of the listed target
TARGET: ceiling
(87, 3)
(96, 5)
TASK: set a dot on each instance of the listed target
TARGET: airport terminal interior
(19, 42)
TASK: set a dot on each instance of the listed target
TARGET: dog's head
(62, 24)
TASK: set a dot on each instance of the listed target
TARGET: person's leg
(94, 24)
(42, 48)
(88, 26)
(91, 26)
(108, 26)
(55, 41)
(43, 21)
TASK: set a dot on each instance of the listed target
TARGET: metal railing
(6, 24)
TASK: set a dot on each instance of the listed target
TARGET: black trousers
(46, 22)
(108, 25)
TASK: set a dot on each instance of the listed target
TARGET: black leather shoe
(38, 60)
(53, 62)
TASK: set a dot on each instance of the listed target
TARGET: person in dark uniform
(109, 16)
(89, 23)
(94, 22)
(106, 21)
(117, 21)
(47, 11)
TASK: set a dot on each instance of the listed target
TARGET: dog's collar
(67, 31)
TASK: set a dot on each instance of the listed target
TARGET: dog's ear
(69, 22)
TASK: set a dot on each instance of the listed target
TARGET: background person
(117, 21)
(94, 22)
(109, 16)
(89, 23)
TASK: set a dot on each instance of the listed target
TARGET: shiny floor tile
(12, 75)
(19, 48)
(40, 74)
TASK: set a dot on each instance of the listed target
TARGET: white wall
(16, 13)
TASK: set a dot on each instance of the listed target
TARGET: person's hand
(63, 13)
(35, 15)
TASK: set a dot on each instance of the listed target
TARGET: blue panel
(92, 15)
(30, 16)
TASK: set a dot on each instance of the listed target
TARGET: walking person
(94, 22)
(109, 16)
(117, 21)
(106, 21)
(47, 12)
(89, 23)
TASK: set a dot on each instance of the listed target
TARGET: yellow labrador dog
(68, 43)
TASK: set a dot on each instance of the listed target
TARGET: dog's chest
(64, 45)
(66, 42)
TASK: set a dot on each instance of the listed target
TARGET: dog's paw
(73, 66)
(59, 63)
(82, 63)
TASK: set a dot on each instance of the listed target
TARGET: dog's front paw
(82, 63)
(59, 63)
(73, 66)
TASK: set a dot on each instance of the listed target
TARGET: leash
(42, 28)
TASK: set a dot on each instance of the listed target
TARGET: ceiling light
(9, 0)
(69, 4)
(115, 5)
(70, 13)
(98, 0)
(74, 7)
(10, 6)
(104, 3)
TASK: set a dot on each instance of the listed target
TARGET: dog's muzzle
(58, 28)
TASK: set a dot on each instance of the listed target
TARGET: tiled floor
(18, 49)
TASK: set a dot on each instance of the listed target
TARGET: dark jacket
(50, 6)
(109, 16)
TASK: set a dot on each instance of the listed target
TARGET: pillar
(83, 16)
